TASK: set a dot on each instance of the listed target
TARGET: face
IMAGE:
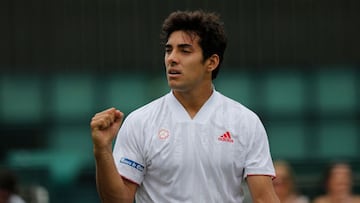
(340, 179)
(185, 67)
(282, 182)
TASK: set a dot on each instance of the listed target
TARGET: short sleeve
(128, 151)
(258, 160)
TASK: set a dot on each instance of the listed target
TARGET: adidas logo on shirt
(226, 137)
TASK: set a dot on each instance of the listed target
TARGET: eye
(186, 51)
(168, 50)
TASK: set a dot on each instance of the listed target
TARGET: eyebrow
(179, 45)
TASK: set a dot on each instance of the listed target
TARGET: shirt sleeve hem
(129, 179)
(272, 176)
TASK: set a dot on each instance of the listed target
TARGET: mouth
(174, 72)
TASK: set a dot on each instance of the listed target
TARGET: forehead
(183, 37)
(341, 168)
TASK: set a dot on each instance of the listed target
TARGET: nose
(171, 58)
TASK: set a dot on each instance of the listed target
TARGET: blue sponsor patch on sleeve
(132, 163)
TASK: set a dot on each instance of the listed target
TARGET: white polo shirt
(174, 158)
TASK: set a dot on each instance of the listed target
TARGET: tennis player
(192, 144)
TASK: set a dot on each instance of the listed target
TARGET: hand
(104, 127)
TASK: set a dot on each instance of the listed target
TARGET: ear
(212, 62)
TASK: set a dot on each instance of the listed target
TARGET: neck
(192, 101)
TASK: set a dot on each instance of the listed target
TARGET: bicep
(132, 186)
(261, 189)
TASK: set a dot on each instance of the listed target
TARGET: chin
(177, 88)
(173, 85)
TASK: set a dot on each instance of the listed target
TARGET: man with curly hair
(192, 144)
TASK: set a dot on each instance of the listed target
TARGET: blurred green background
(295, 63)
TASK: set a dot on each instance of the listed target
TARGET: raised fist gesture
(104, 127)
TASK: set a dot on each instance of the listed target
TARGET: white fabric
(15, 199)
(174, 158)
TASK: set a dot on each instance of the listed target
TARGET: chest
(189, 146)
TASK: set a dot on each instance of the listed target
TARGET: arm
(112, 188)
(261, 189)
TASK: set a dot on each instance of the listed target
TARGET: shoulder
(234, 105)
(143, 117)
(148, 109)
(302, 199)
(16, 199)
(237, 109)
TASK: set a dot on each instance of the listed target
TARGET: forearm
(261, 189)
(268, 199)
(110, 185)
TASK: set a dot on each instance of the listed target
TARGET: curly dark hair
(206, 25)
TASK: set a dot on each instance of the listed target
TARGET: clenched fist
(104, 127)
